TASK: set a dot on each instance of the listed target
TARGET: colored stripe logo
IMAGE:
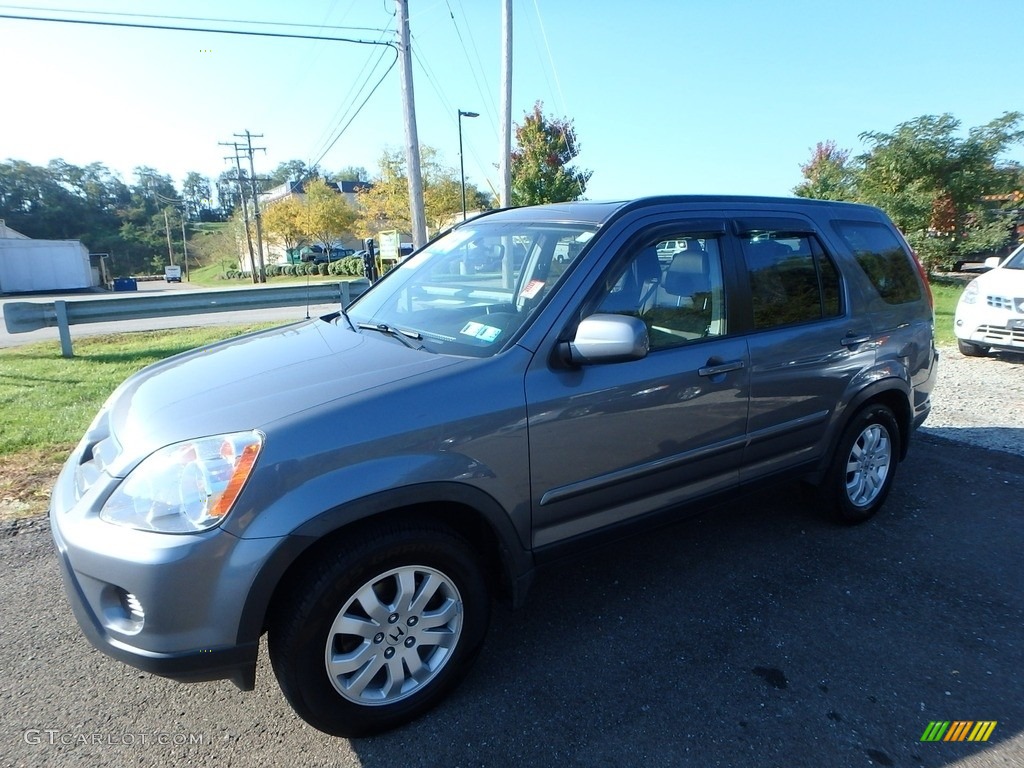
(959, 730)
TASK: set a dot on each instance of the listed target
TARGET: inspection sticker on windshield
(531, 289)
(480, 331)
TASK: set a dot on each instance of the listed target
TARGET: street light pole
(462, 164)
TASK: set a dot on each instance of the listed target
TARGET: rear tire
(967, 349)
(373, 635)
(864, 465)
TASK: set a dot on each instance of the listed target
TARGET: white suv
(990, 314)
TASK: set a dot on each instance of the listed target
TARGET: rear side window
(882, 257)
(791, 279)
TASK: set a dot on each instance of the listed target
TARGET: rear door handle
(715, 370)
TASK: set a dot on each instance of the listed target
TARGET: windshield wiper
(401, 334)
(335, 315)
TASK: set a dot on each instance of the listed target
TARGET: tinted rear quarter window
(883, 259)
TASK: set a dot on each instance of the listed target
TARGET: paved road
(758, 636)
(279, 314)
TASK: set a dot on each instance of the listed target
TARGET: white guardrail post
(24, 316)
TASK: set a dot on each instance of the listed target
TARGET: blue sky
(687, 96)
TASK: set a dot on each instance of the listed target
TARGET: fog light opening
(122, 611)
(131, 605)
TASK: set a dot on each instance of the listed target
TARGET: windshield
(470, 291)
(1015, 260)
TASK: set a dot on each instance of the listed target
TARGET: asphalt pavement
(759, 634)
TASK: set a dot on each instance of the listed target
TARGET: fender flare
(891, 390)
(517, 563)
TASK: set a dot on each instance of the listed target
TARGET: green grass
(47, 401)
(946, 296)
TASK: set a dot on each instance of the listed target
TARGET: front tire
(864, 465)
(372, 636)
(967, 349)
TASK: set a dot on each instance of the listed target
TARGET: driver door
(612, 442)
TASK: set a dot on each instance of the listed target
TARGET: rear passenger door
(805, 347)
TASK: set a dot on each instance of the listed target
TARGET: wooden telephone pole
(505, 198)
(412, 141)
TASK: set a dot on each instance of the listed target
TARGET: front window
(471, 291)
(675, 286)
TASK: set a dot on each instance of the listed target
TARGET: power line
(450, 111)
(359, 109)
(348, 102)
(171, 28)
(245, 33)
(487, 102)
(191, 18)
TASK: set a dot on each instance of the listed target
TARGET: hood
(251, 381)
(1002, 282)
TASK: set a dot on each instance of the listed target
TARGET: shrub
(352, 265)
(322, 269)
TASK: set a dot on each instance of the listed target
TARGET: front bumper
(169, 604)
(989, 326)
(995, 337)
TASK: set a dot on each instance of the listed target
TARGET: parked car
(453, 431)
(335, 254)
(990, 312)
(668, 249)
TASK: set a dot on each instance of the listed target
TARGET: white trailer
(28, 266)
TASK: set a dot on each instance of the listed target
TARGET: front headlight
(970, 294)
(185, 487)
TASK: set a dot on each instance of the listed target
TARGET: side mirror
(607, 339)
(992, 262)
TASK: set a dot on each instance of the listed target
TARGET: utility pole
(167, 230)
(505, 198)
(245, 208)
(412, 141)
(255, 200)
(184, 246)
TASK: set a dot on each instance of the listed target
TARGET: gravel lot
(979, 400)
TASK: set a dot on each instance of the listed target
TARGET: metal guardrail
(24, 316)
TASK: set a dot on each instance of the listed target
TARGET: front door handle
(719, 368)
(852, 339)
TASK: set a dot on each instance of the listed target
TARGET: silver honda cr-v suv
(360, 486)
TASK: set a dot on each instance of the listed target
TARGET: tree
(351, 173)
(385, 205)
(829, 174)
(290, 170)
(931, 181)
(541, 170)
(284, 223)
(228, 196)
(940, 188)
(196, 193)
(326, 216)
